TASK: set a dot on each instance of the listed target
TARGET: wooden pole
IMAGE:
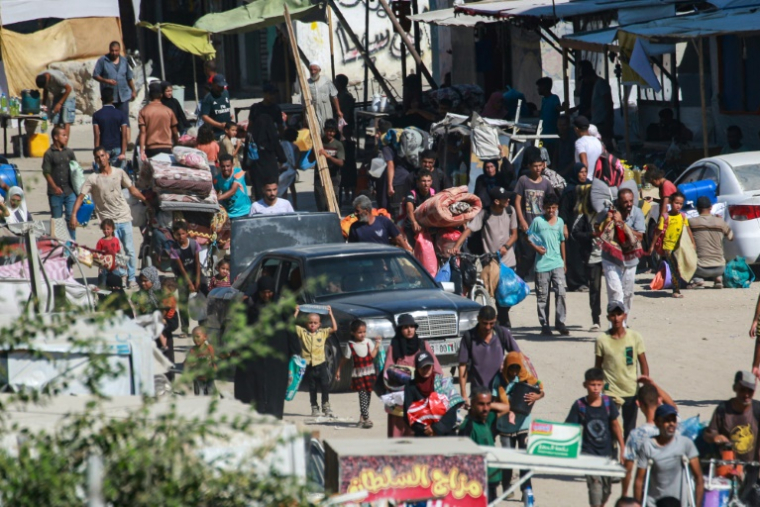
(408, 43)
(332, 46)
(565, 80)
(700, 52)
(626, 92)
(366, 52)
(314, 127)
(161, 54)
(195, 81)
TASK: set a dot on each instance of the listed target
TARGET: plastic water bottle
(4, 103)
(44, 126)
(529, 501)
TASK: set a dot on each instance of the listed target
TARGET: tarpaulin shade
(188, 39)
(590, 41)
(559, 9)
(26, 55)
(16, 11)
(447, 17)
(257, 15)
(743, 21)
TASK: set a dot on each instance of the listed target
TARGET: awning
(560, 9)
(186, 38)
(744, 21)
(597, 40)
(16, 11)
(518, 459)
(447, 17)
(260, 14)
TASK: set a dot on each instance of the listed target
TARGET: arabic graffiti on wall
(384, 43)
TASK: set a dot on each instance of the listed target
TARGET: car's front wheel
(333, 353)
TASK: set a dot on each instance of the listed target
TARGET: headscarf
(151, 273)
(572, 175)
(20, 214)
(264, 133)
(265, 283)
(515, 358)
(426, 386)
(494, 108)
(491, 181)
(405, 347)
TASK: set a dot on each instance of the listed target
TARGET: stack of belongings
(182, 181)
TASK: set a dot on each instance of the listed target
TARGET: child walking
(230, 144)
(208, 145)
(547, 237)
(186, 266)
(201, 358)
(222, 277)
(598, 415)
(109, 244)
(671, 227)
(313, 340)
(362, 352)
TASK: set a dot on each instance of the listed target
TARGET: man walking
(112, 71)
(324, 95)
(588, 148)
(56, 170)
(667, 452)
(230, 188)
(110, 128)
(158, 126)
(708, 232)
(271, 204)
(371, 228)
(482, 351)
(105, 188)
(620, 271)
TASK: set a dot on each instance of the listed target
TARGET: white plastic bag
(377, 167)
(196, 306)
(77, 176)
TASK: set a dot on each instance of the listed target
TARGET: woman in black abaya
(263, 141)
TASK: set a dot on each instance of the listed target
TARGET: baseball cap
(745, 379)
(616, 305)
(704, 202)
(219, 80)
(406, 320)
(665, 410)
(423, 359)
(581, 122)
(500, 193)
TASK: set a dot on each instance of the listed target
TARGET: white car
(737, 177)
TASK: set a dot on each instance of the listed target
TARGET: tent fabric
(448, 17)
(590, 41)
(743, 21)
(188, 39)
(26, 55)
(257, 15)
(16, 11)
(560, 9)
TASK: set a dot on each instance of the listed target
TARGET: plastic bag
(196, 306)
(511, 289)
(190, 157)
(377, 167)
(445, 241)
(394, 403)
(296, 369)
(691, 427)
(445, 387)
(662, 279)
(444, 273)
(77, 176)
(424, 251)
(429, 410)
(738, 275)
(380, 360)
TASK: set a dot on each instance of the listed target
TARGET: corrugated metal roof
(743, 21)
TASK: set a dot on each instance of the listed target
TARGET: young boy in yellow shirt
(313, 340)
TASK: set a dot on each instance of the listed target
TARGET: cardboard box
(449, 469)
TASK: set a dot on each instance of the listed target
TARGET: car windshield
(748, 176)
(366, 273)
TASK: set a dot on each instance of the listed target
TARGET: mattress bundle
(448, 208)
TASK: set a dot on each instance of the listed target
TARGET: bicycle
(473, 281)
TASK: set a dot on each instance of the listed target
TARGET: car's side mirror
(448, 287)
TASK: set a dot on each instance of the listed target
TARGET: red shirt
(111, 246)
(667, 189)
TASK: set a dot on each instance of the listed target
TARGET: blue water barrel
(10, 176)
(696, 189)
(85, 212)
(30, 101)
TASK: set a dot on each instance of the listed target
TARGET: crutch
(689, 481)
(650, 462)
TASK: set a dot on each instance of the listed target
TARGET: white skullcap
(315, 63)
(594, 131)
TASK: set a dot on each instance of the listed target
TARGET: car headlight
(380, 327)
(468, 320)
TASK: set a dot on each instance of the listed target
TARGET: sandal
(367, 424)
(677, 295)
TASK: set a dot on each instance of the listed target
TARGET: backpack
(583, 407)
(402, 215)
(501, 332)
(251, 150)
(607, 170)
(475, 241)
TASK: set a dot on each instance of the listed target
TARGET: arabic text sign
(458, 480)
(556, 440)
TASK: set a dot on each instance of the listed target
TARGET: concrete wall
(385, 44)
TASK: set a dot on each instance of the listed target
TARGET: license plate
(445, 347)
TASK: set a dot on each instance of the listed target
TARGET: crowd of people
(539, 219)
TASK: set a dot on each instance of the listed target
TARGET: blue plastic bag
(511, 289)
(296, 370)
(738, 275)
(444, 273)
